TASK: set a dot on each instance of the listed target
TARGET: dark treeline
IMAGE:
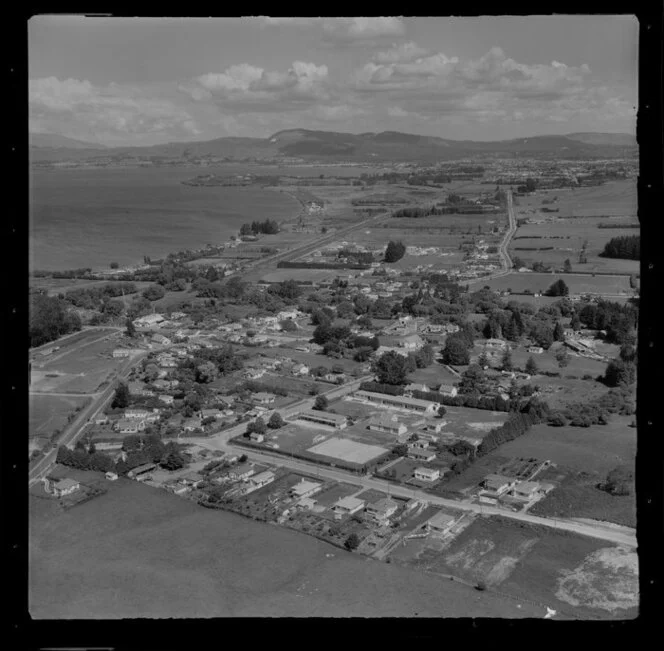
(267, 227)
(625, 247)
(50, 318)
(93, 297)
(294, 264)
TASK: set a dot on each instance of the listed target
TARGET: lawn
(592, 449)
(299, 275)
(433, 375)
(48, 413)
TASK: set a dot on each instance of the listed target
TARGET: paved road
(505, 259)
(73, 431)
(308, 247)
(222, 442)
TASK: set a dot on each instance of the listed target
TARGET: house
(447, 390)
(148, 320)
(165, 384)
(256, 437)
(526, 489)
(397, 402)
(192, 479)
(440, 523)
(495, 485)
(304, 489)
(347, 506)
(141, 471)
(121, 352)
(434, 427)
(337, 421)
(160, 339)
(191, 424)
(129, 425)
(137, 413)
(412, 342)
(65, 486)
(263, 398)
(409, 388)
(421, 455)
(387, 423)
(537, 350)
(166, 399)
(139, 389)
(211, 413)
(262, 479)
(111, 476)
(101, 420)
(419, 444)
(300, 369)
(241, 472)
(381, 511)
(427, 474)
(496, 343)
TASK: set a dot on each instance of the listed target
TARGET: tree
(114, 265)
(154, 292)
(575, 323)
(562, 357)
(558, 288)
(441, 411)
(391, 368)
(618, 481)
(321, 403)
(151, 372)
(473, 381)
(92, 448)
(352, 542)
(276, 421)
(531, 366)
(483, 359)
(425, 356)
(455, 352)
(394, 251)
(130, 328)
(619, 372)
(172, 461)
(288, 325)
(567, 266)
(259, 426)
(558, 332)
(121, 397)
(506, 360)
(206, 372)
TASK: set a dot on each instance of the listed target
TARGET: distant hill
(330, 146)
(617, 139)
(54, 141)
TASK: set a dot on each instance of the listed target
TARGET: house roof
(389, 420)
(527, 486)
(263, 476)
(384, 504)
(495, 481)
(349, 503)
(303, 486)
(441, 519)
(66, 483)
(313, 413)
(427, 471)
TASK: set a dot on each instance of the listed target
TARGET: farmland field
(300, 275)
(577, 283)
(138, 551)
(48, 413)
(598, 448)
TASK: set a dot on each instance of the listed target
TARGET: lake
(92, 217)
(139, 551)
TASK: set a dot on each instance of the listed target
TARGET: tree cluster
(625, 247)
(267, 227)
(50, 318)
(394, 251)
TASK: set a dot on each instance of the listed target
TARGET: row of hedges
(293, 264)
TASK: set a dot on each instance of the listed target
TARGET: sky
(146, 81)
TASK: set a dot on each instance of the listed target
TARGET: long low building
(398, 402)
(337, 421)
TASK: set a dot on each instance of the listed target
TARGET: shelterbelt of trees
(625, 247)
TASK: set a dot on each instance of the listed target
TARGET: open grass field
(138, 551)
(543, 565)
(293, 384)
(577, 496)
(592, 449)
(55, 286)
(70, 341)
(48, 413)
(577, 283)
(299, 275)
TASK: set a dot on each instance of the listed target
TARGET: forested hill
(331, 146)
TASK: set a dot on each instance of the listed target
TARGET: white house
(304, 489)
(65, 487)
(440, 523)
(262, 479)
(347, 506)
(496, 485)
(526, 489)
(421, 455)
(129, 425)
(381, 511)
(148, 320)
(427, 474)
(387, 423)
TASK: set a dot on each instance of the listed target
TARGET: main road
(73, 430)
(505, 259)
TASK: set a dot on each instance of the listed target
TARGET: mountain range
(330, 146)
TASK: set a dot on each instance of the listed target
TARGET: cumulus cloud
(105, 113)
(245, 87)
(344, 31)
(400, 53)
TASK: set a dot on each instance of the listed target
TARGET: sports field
(347, 450)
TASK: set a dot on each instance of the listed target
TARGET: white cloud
(105, 113)
(400, 53)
